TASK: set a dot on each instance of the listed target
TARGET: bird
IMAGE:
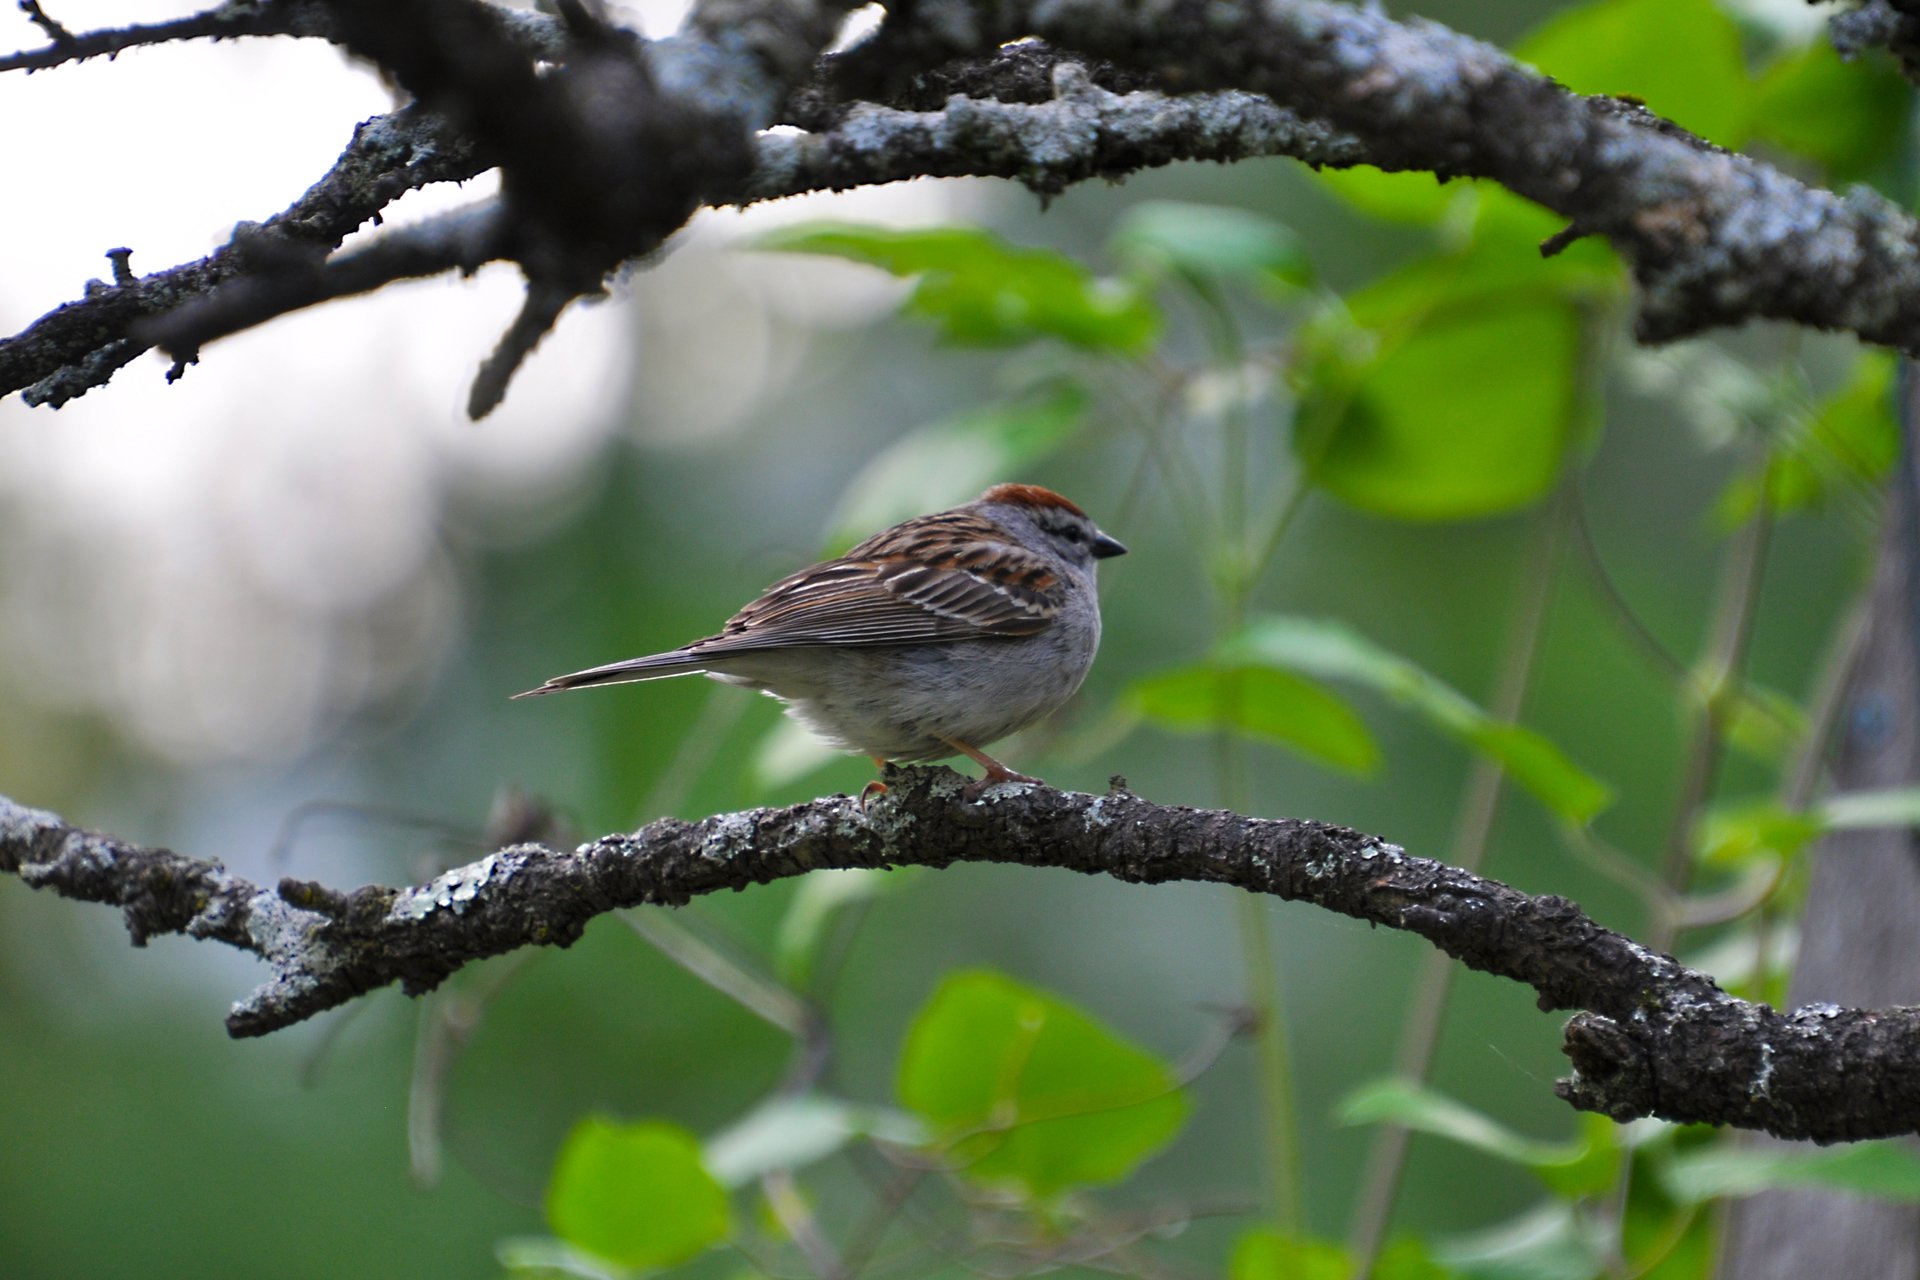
(934, 638)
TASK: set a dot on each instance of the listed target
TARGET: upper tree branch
(77, 347)
(1653, 1037)
(606, 154)
(1079, 131)
(1713, 237)
(1871, 23)
(537, 33)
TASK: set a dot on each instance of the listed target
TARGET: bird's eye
(1074, 533)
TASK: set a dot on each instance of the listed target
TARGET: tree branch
(1081, 131)
(77, 347)
(1653, 1037)
(460, 240)
(607, 153)
(537, 33)
(1713, 237)
(1873, 23)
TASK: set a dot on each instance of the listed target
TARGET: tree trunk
(1860, 939)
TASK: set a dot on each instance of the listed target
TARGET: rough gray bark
(1653, 1037)
(607, 144)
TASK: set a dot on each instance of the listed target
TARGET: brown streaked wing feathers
(940, 577)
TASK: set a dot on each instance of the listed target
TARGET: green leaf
(1029, 1091)
(1334, 652)
(1415, 1106)
(791, 1132)
(1849, 441)
(1380, 425)
(954, 459)
(1491, 237)
(1848, 116)
(635, 1194)
(1552, 1241)
(1737, 834)
(1680, 57)
(1595, 1169)
(1159, 238)
(1763, 722)
(1508, 231)
(1268, 1255)
(983, 291)
(1417, 198)
(1259, 702)
(1882, 1170)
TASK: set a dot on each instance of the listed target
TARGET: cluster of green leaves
(1686, 60)
(1677, 1171)
(1000, 1086)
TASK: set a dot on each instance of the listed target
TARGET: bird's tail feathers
(658, 666)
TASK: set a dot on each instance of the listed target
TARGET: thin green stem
(755, 992)
(1739, 596)
(1235, 573)
(1480, 804)
(1282, 521)
(1616, 602)
(699, 746)
(1282, 1149)
(1183, 482)
(1803, 777)
(1229, 347)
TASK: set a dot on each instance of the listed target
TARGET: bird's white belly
(909, 702)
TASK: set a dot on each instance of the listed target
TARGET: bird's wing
(941, 577)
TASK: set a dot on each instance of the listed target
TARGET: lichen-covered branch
(538, 33)
(607, 144)
(1868, 24)
(77, 347)
(1652, 1037)
(1079, 131)
(1713, 237)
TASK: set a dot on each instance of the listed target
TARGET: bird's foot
(876, 787)
(974, 790)
(997, 773)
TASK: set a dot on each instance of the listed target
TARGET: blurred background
(300, 575)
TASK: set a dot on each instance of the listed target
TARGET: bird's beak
(1105, 548)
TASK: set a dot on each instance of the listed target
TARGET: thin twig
(1426, 1010)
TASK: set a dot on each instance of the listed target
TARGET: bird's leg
(996, 772)
(876, 787)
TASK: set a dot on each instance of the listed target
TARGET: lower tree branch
(1652, 1037)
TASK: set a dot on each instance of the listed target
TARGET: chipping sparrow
(933, 638)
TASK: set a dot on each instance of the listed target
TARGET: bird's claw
(974, 790)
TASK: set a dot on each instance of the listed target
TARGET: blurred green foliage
(1351, 396)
